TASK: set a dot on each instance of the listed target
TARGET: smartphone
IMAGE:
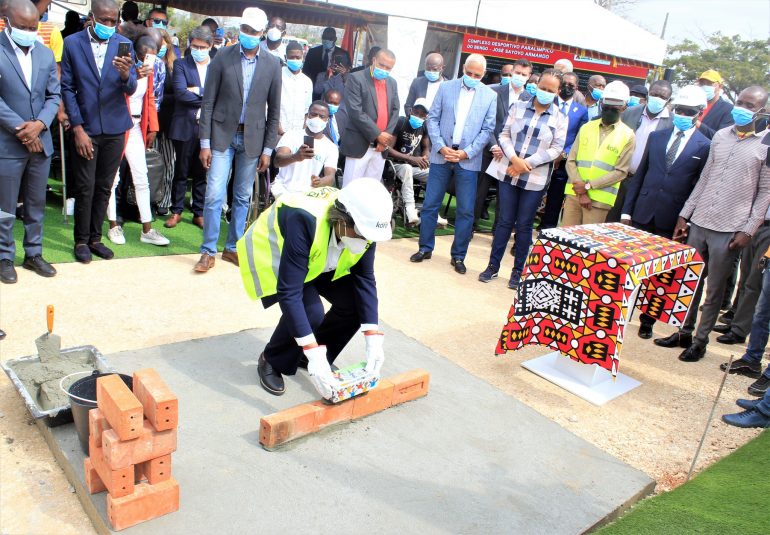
(149, 59)
(220, 32)
(124, 49)
(309, 141)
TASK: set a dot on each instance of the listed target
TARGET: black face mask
(610, 115)
(566, 92)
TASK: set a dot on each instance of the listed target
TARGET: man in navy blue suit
(578, 116)
(95, 82)
(667, 174)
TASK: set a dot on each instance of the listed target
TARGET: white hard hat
(691, 95)
(369, 204)
(616, 94)
(254, 17)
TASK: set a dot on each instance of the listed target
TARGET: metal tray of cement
(61, 414)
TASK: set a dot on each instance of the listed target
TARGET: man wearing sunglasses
(157, 18)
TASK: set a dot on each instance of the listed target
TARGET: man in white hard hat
(599, 161)
(312, 245)
(667, 174)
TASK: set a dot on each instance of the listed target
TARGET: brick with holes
(150, 445)
(119, 406)
(147, 502)
(154, 470)
(161, 406)
(118, 482)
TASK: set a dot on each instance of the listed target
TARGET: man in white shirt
(296, 90)
(273, 41)
(304, 165)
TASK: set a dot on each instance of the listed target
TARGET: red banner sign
(486, 46)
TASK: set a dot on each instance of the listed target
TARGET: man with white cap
(238, 124)
(312, 245)
(598, 161)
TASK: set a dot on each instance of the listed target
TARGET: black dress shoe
(459, 265)
(82, 253)
(101, 250)
(645, 331)
(722, 329)
(419, 256)
(693, 353)
(270, 379)
(744, 367)
(727, 317)
(730, 339)
(7, 272)
(39, 266)
(675, 340)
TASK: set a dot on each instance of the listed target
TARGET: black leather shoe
(727, 317)
(459, 265)
(675, 340)
(744, 367)
(730, 339)
(39, 266)
(101, 250)
(722, 329)
(419, 256)
(7, 272)
(645, 331)
(693, 353)
(82, 253)
(270, 379)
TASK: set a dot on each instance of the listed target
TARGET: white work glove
(375, 355)
(320, 372)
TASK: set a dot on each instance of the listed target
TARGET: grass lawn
(728, 497)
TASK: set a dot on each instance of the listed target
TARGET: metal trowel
(48, 344)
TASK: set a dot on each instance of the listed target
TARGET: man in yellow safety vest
(598, 161)
(311, 245)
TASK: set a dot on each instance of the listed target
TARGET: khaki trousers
(574, 214)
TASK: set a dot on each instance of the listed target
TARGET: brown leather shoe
(173, 220)
(230, 256)
(198, 221)
(205, 263)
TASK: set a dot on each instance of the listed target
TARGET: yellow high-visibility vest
(259, 250)
(594, 160)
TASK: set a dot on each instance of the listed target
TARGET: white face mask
(315, 125)
(273, 34)
(354, 245)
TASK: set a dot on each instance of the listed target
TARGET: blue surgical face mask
(23, 37)
(633, 101)
(103, 32)
(415, 122)
(379, 74)
(505, 79)
(469, 82)
(532, 89)
(518, 80)
(199, 55)
(596, 93)
(294, 65)
(709, 90)
(655, 104)
(544, 97)
(248, 42)
(432, 76)
(162, 52)
(742, 116)
(328, 44)
(159, 25)
(333, 108)
(683, 122)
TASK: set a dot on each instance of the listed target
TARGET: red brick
(286, 425)
(332, 414)
(120, 406)
(146, 503)
(161, 406)
(155, 470)
(118, 482)
(150, 445)
(377, 399)
(410, 385)
(93, 481)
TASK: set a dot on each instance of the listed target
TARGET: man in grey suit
(426, 86)
(234, 127)
(371, 104)
(29, 100)
(460, 123)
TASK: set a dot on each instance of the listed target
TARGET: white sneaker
(442, 222)
(411, 214)
(154, 237)
(115, 234)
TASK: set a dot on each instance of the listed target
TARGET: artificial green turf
(728, 497)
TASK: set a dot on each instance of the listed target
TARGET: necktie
(564, 108)
(671, 154)
(333, 131)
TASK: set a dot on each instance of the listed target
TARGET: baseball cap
(423, 103)
(254, 17)
(639, 90)
(712, 76)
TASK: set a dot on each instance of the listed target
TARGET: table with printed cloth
(581, 284)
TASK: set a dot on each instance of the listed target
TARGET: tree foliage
(742, 63)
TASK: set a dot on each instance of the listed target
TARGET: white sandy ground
(144, 302)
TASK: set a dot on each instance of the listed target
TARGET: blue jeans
(760, 326)
(216, 192)
(465, 195)
(515, 207)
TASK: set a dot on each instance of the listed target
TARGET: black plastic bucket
(82, 394)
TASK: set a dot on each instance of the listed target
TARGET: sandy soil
(137, 303)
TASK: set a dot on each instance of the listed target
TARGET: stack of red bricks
(131, 438)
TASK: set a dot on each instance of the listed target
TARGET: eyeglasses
(164, 22)
(687, 112)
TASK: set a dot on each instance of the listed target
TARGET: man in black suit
(371, 103)
(426, 85)
(319, 58)
(718, 112)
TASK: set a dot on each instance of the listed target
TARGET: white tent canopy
(578, 23)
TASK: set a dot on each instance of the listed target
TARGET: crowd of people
(225, 111)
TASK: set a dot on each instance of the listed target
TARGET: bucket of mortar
(82, 394)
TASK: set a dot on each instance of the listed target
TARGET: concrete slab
(465, 459)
